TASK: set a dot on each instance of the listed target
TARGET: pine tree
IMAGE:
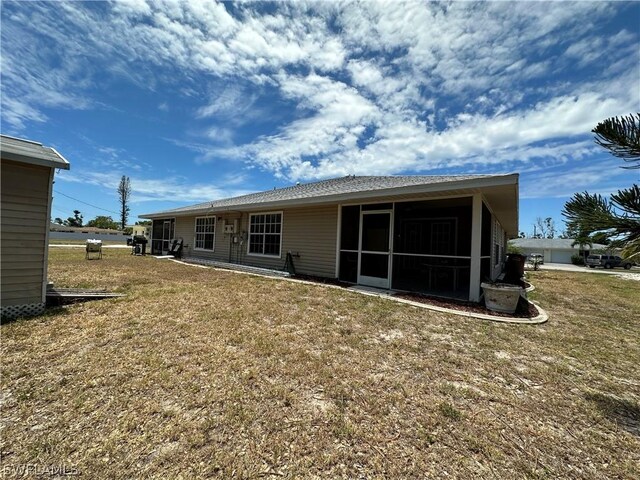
(124, 193)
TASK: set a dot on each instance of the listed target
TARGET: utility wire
(82, 201)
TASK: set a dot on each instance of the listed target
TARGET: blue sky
(199, 100)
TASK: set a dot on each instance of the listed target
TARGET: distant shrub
(577, 259)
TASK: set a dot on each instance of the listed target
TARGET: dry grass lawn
(200, 373)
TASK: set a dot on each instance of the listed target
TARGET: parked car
(536, 258)
(608, 261)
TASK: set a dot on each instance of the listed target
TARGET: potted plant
(501, 297)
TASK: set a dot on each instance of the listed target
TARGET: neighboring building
(27, 170)
(64, 232)
(144, 230)
(440, 235)
(554, 250)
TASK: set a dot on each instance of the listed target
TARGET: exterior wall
(25, 223)
(309, 233)
(498, 250)
(552, 255)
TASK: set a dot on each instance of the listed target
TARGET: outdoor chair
(176, 248)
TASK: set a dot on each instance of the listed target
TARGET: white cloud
(231, 101)
(174, 189)
(341, 115)
(379, 87)
(603, 178)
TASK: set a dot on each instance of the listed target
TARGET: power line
(82, 201)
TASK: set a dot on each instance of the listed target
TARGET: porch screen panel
(375, 232)
(156, 236)
(350, 228)
(485, 247)
(485, 269)
(433, 227)
(349, 240)
(373, 265)
(446, 277)
(432, 247)
(349, 267)
(158, 240)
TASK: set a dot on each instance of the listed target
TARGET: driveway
(634, 273)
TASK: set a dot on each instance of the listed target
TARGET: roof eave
(492, 181)
(42, 162)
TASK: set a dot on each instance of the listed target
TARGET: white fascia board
(42, 162)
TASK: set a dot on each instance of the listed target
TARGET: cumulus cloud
(175, 189)
(379, 87)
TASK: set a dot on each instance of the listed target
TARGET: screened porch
(419, 246)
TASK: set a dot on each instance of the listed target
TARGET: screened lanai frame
(455, 267)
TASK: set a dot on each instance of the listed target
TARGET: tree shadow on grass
(624, 413)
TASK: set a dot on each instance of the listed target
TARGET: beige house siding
(499, 239)
(25, 222)
(309, 232)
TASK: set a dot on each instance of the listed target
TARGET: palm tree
(582, 241)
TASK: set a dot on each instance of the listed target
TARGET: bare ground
(202, 373)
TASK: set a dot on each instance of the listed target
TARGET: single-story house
(554, 250)
(439, 235)
(27, 170)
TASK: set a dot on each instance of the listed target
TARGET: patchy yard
(204, 373)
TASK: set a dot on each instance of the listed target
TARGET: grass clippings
(202, 373)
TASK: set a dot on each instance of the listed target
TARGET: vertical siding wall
(308, 231)
(24, 210)
(499, 239)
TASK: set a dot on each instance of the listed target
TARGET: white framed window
(265, 234)
(205, 238)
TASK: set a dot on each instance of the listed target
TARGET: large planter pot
(501, 297)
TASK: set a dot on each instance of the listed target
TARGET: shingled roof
(339, 188)
(28, 151)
